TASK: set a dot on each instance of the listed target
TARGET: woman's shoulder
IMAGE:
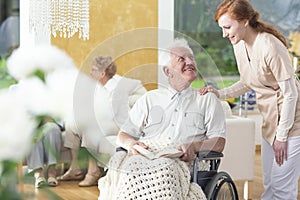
(267, 36)
(266, 40)
(269, 46)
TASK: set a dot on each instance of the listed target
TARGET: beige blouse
(270, 64)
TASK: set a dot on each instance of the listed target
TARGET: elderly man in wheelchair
(175, 117)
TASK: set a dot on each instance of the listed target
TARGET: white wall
(166, 31)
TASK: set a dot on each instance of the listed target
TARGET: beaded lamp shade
(60, 17)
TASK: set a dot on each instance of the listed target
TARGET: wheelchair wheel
(221, 187)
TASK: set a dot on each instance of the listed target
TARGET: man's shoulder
(209, 99)
(207, 96)
(155, 92)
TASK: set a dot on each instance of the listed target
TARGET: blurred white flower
(64, 93)
(24, 61)
(33, 95)
(53, 95)
(83, 113)
(61, 84)
(16, 128)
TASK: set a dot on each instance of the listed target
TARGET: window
(195, 18)
(9, 26)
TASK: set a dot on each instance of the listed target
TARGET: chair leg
(20, 177)
(248, 185)
(62, 168)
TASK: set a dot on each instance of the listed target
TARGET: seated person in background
(111, 114)
(174, 116)
(45, 152)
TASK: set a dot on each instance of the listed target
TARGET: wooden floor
(71, 191)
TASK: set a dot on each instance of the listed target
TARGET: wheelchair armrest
(209, 155)
(121, 149)
(214, 158)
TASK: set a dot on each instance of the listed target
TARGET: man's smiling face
(183, 64)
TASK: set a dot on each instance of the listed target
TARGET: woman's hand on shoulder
(207, 89)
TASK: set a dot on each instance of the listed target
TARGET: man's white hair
(165, 54)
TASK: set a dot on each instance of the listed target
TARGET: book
(166, 153)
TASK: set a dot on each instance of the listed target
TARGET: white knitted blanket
(136, 177)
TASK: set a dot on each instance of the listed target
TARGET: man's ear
(166, 71)
(103, 74)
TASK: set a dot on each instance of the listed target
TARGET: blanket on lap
(136, 177)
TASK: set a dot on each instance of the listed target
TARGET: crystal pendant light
(60, 17)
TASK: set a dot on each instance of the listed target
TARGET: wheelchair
(216, 185)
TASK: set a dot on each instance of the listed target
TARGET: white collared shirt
(165, 114)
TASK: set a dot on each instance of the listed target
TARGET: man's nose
(189, 60)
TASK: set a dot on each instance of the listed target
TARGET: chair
(215, 184)
(239, 151)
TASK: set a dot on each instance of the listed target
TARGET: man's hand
(127, 142)
(133, 151)
(212, 144)
(189, 152)
(280, 151)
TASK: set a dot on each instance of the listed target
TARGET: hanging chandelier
(60, 17)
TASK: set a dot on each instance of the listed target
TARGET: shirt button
(173, 125)
(175, 110)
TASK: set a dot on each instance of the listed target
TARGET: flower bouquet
(47, 82)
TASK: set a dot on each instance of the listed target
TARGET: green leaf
(9, 193)
(40, 74)
(8, 173)
(5, 78)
